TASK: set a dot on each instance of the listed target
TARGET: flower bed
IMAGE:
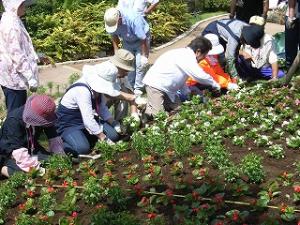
(233, 160)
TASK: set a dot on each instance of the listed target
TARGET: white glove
(136, 117)
(108, 141)
(217, 87)
(140, 100)
(144, 61)
(117, 126)
(232, 86)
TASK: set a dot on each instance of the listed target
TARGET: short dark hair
(200, 43)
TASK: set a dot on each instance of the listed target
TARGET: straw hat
(217, 48)
(39, 110)
(111, 19)
(123, 59)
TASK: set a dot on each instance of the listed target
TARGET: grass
(205, 15)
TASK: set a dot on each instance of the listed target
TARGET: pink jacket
(18, 60)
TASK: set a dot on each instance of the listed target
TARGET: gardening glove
(290, 22)
(33, 85)
(24, 160)
(117, 126)
(136, 116)
(108, 141)
(217, 87)
(144, 62)
(140, 101)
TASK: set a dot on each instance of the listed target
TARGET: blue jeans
(136, 77)
(14, 98)
(79, 142)
(292, 43)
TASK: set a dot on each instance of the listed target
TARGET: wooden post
(292, 69)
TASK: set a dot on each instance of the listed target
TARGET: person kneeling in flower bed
(257, 56)
(19, 148)
(170, 72)
(77, 124)
(210, 64)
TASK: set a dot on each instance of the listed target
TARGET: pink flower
(297, 102)
(74, 214)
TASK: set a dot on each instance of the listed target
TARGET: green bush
(106, 217)
(80, 33)
(213, 5)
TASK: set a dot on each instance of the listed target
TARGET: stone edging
(154, 49)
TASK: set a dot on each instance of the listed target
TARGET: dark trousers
(14, 98)
(292, 43)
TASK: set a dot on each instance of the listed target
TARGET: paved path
(60, 74)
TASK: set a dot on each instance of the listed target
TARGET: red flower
(205, 206)
(235, 216)
(144, 200)
(169, 193)
(74, 214)
(298, 222)
(219, 198)
(138, 189)
(21, 206)
(151, 216)
(50, 189)
(283, 208)
(30, 193)
(297, 188)
(195, 195)
(43, 217)
(195, 210)
(65, 183)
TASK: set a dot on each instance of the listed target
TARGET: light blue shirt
(133, 28)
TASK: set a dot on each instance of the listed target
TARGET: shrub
(213, 5)
(80, 33)
(252, 167)
(106, 217)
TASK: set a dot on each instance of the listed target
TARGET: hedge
(80, 33)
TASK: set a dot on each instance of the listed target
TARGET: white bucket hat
(102, 78)
(123, 59)
(111, 19)
(217, 48)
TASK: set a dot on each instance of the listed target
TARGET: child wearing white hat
(210, 64)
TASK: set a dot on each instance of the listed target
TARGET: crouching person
(19, 147)
(257, 56)
(170, 72)
(77, 124)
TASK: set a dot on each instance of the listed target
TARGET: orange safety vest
(215, 71)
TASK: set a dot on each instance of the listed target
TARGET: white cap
(258, 20)
(111, 19)
(217, 48)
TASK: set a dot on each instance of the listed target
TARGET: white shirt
(80, 97)
(264, 55)
(137, 5)
(171, 70)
